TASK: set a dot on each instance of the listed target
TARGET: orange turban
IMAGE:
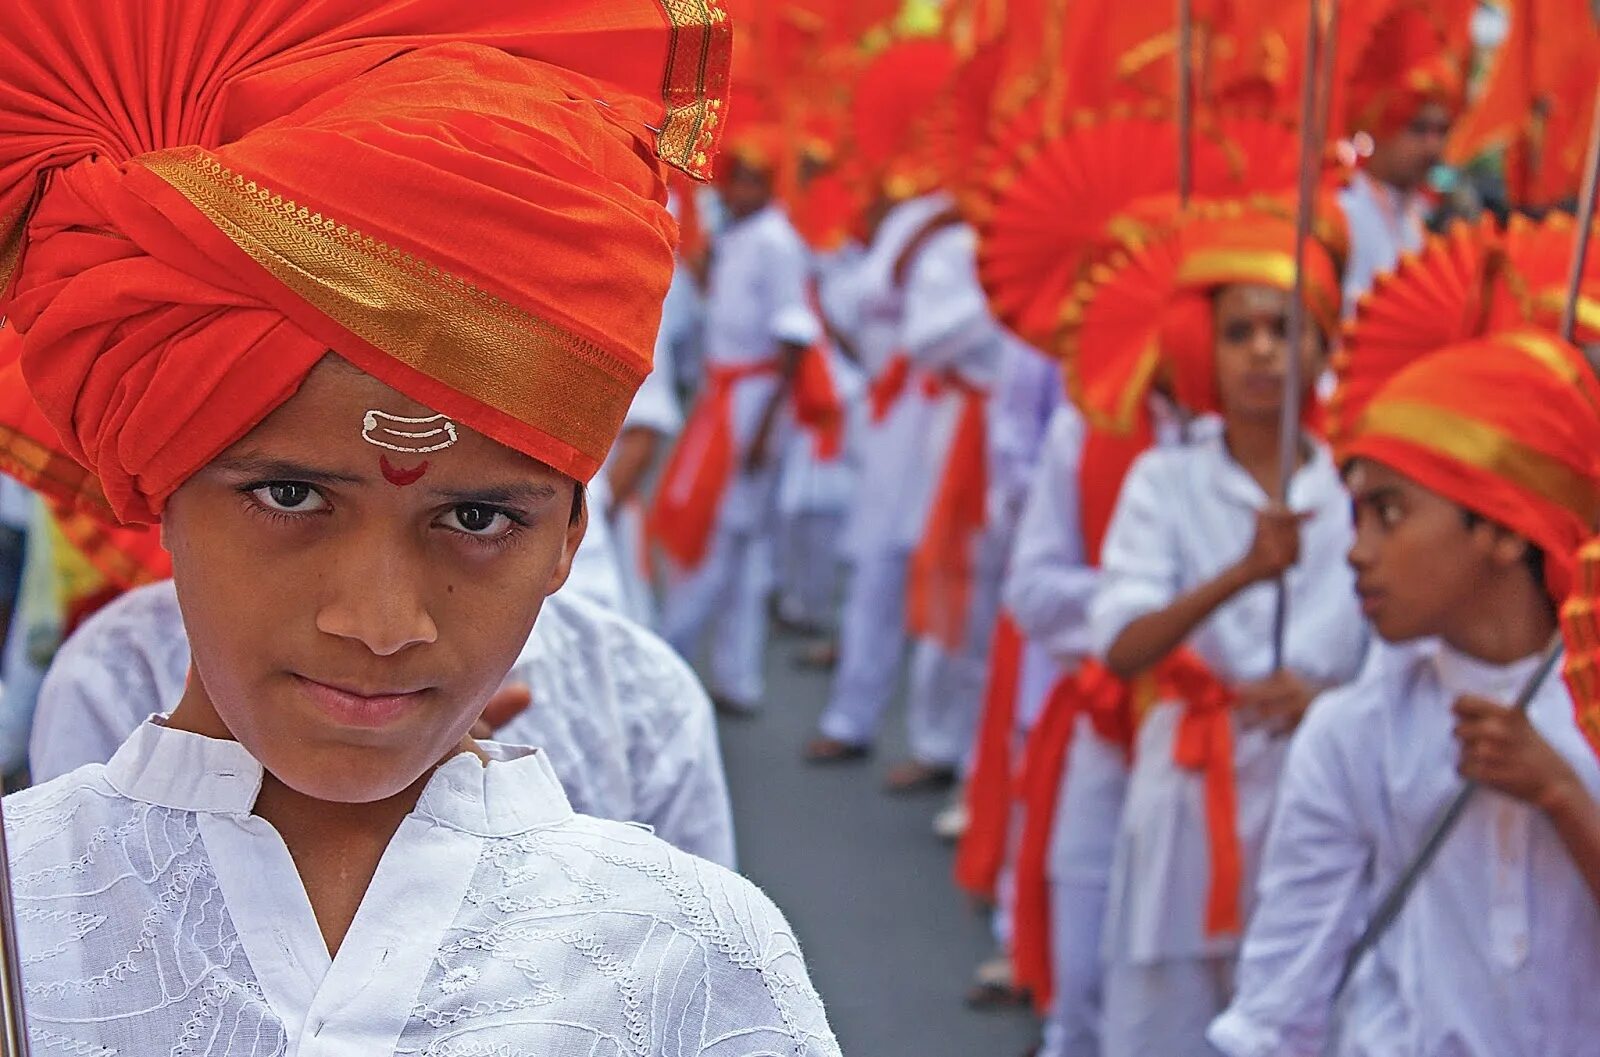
(465, 200)
(1147, 310)
(1507, 426)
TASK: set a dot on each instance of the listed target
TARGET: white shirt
(156, 912)
(871, 307)
(945, 329)
(756, 301)
(1383, 224)
(625, 723)
(1026, 393)
(1184, 515)
(1049, 583)
(1497, 952)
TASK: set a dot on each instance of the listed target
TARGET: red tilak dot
(398, 477)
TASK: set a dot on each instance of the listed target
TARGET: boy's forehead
(342, 415)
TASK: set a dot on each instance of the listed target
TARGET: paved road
(890, 941)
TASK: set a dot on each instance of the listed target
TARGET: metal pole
(13, 1023)
(1289, 424)
(1394, 899)
(1185, 101)
(1580, 250)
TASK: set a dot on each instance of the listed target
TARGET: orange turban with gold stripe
(1506, 425)
(200, 198)
(1147, 310)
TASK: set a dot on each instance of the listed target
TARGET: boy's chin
(351, 779)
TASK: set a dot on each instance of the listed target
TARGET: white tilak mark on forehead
(379, 428)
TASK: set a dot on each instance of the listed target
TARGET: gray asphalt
(890, 941)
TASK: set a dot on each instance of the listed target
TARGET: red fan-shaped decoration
(1581, 630)
(959, 130)
(1062, 197)
(1436, 297)
(1108, 341)
(1537, 272)
(1052, 200)
(892, 95)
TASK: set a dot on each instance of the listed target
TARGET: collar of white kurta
(1311, 486)
(1459, 674)
(514, 792)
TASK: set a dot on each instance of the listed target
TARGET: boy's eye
(477, 520)
(289, 496)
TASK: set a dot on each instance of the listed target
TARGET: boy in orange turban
(351, 297)
(1473, 470)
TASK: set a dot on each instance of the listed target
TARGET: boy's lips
(354, 708)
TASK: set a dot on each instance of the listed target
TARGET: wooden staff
(1394, 900)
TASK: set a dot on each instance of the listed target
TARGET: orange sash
(1204, 743)
(939, 594)
(817, 406)
(1093, 691)
(702, 464)
(982, 850)
(889, 385)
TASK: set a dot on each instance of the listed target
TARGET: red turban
(200, 198)
(1416, 53)
(1507, 426)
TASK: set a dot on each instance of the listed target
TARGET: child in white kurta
(756, 304)
(1496, 952)
(498, 922)
(1184, 516)
(954, 348)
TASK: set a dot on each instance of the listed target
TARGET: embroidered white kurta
(1497, 952)
(1184, 515)
(625, 723)
(158, 914)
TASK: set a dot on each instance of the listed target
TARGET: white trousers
(945, 693)
(808, 564)
(726, 596)
(1082, 847)
(1164, 1007)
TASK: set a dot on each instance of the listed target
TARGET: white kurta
(1050, 584)
(756, 301)
(1383, 224)
(1184, 515)
(890, 483)
(624, 721)
(946, 330)
(1497, 953)
(158, 913)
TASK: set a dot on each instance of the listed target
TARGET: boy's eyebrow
(520, 492)
(265, 468)
(1377, 494)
